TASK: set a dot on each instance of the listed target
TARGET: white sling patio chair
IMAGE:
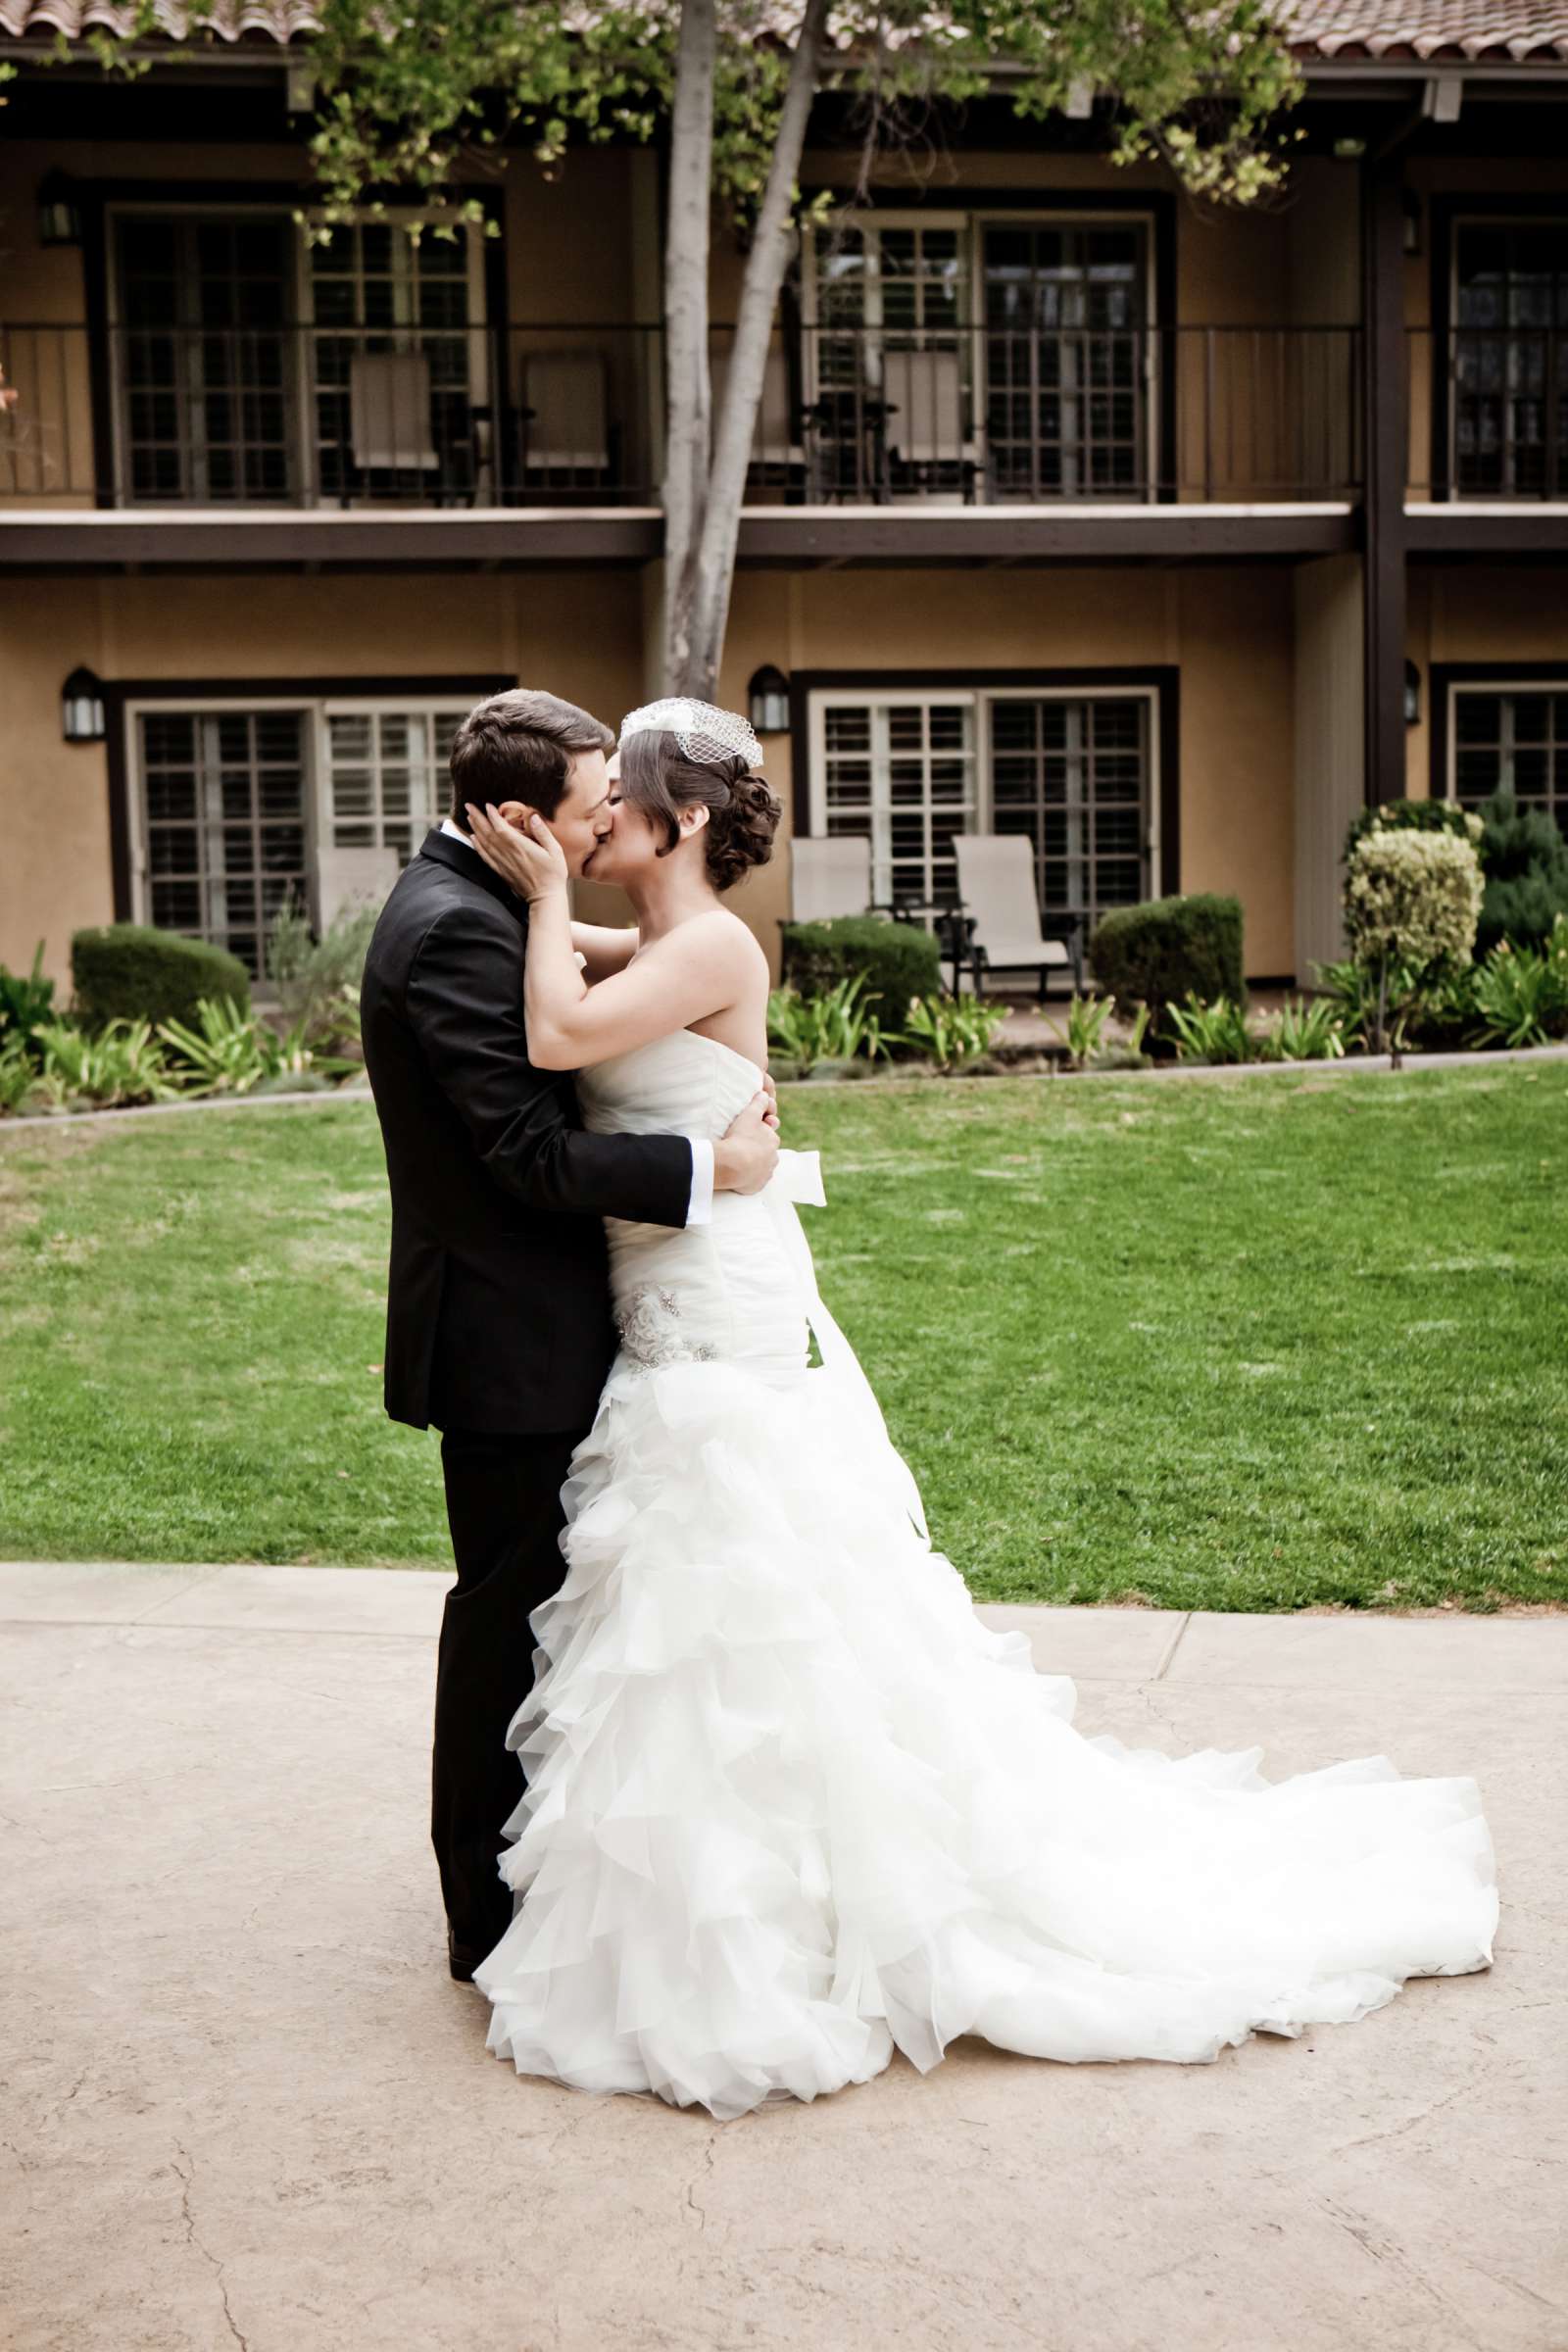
(997, 885)
(566, 416)
(829, 878)
(389, 412)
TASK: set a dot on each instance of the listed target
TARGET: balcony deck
(224, 539)
(306, 448)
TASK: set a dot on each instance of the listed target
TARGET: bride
(788, 1800)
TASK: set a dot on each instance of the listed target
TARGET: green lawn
(1253, 1345)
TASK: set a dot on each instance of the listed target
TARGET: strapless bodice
(683, 1084)
(737, 1289)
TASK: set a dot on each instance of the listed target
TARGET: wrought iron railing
(332, 416)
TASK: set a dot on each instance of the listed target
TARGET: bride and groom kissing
(785, 1802)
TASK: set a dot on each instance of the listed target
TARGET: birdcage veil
(702, 731)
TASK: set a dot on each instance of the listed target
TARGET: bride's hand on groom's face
(524, 853)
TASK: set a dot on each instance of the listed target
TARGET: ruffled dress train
(790, 1803)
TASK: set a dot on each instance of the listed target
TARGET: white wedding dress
(790, 1802)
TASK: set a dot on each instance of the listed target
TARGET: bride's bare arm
(702, 968)
(604, 948)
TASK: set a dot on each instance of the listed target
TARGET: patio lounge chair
(828, 878)
(996, 883)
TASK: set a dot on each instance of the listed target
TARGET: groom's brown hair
(519, 746)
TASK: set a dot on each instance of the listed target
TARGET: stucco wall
(1479, 613)
(578, 632)
(1229, 631)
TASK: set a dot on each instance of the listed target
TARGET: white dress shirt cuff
(700, 1211)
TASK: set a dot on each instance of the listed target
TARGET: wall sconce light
(1412, 694)
(768, 700)
(82, 707)
(1346, 150)
(1412, 222)
(58, 212)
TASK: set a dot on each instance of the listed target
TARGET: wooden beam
(1384, 414)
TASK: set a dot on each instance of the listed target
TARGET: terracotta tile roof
(231, 19)
(1437, 31)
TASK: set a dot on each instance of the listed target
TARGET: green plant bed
(1138, 1339)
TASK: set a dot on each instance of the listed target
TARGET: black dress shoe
(462, 1959)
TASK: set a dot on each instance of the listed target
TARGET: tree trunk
(688, 397)
(706, 483)
(765, 266)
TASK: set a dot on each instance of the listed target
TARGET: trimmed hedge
(900, 960)
(1409, 816)
(126, 971)
(1157, 952)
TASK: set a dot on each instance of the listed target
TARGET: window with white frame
(232, 804)
(1512, 738)
(1074, 770)
(224, 809)
(398, 360)
(385, 778)
(941, 347)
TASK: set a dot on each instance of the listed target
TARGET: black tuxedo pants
(504, 1510)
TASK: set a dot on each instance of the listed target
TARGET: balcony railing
(329, 417)
(1488, 412)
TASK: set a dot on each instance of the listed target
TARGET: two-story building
(1167, 538)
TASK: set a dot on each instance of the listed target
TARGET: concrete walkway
(245, 2104)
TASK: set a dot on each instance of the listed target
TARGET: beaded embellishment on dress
(646, 1325)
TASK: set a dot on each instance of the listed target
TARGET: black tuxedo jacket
(498, 1298)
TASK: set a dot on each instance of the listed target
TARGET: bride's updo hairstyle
(660, 776)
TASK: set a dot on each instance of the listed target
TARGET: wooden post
(1384, 402)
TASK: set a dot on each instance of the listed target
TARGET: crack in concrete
(1516, 2286)
(1384, 2255)
(691, 2203)
(1373, 2139)
(189, 2219)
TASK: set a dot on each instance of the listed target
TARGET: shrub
(1525, 860)
(1213, 1032)
(836, 1025)
(1413, 816)
(953, 1031)
(1442, 1014)
(1304, 1032)
(1411, 900)
(318, 980)
(18, 1077)
(1167, 950)
(898, 961)
(232, 1053)
(1521, 994)
(126, 971)
(1085, 1033)
(119, 1063)
(26, 1002)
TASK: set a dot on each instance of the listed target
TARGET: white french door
(1074, 769)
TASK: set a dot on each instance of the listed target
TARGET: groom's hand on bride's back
(747, 1152)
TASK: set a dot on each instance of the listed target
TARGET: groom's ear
(514, 812)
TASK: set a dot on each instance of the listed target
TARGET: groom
(498, 1298)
